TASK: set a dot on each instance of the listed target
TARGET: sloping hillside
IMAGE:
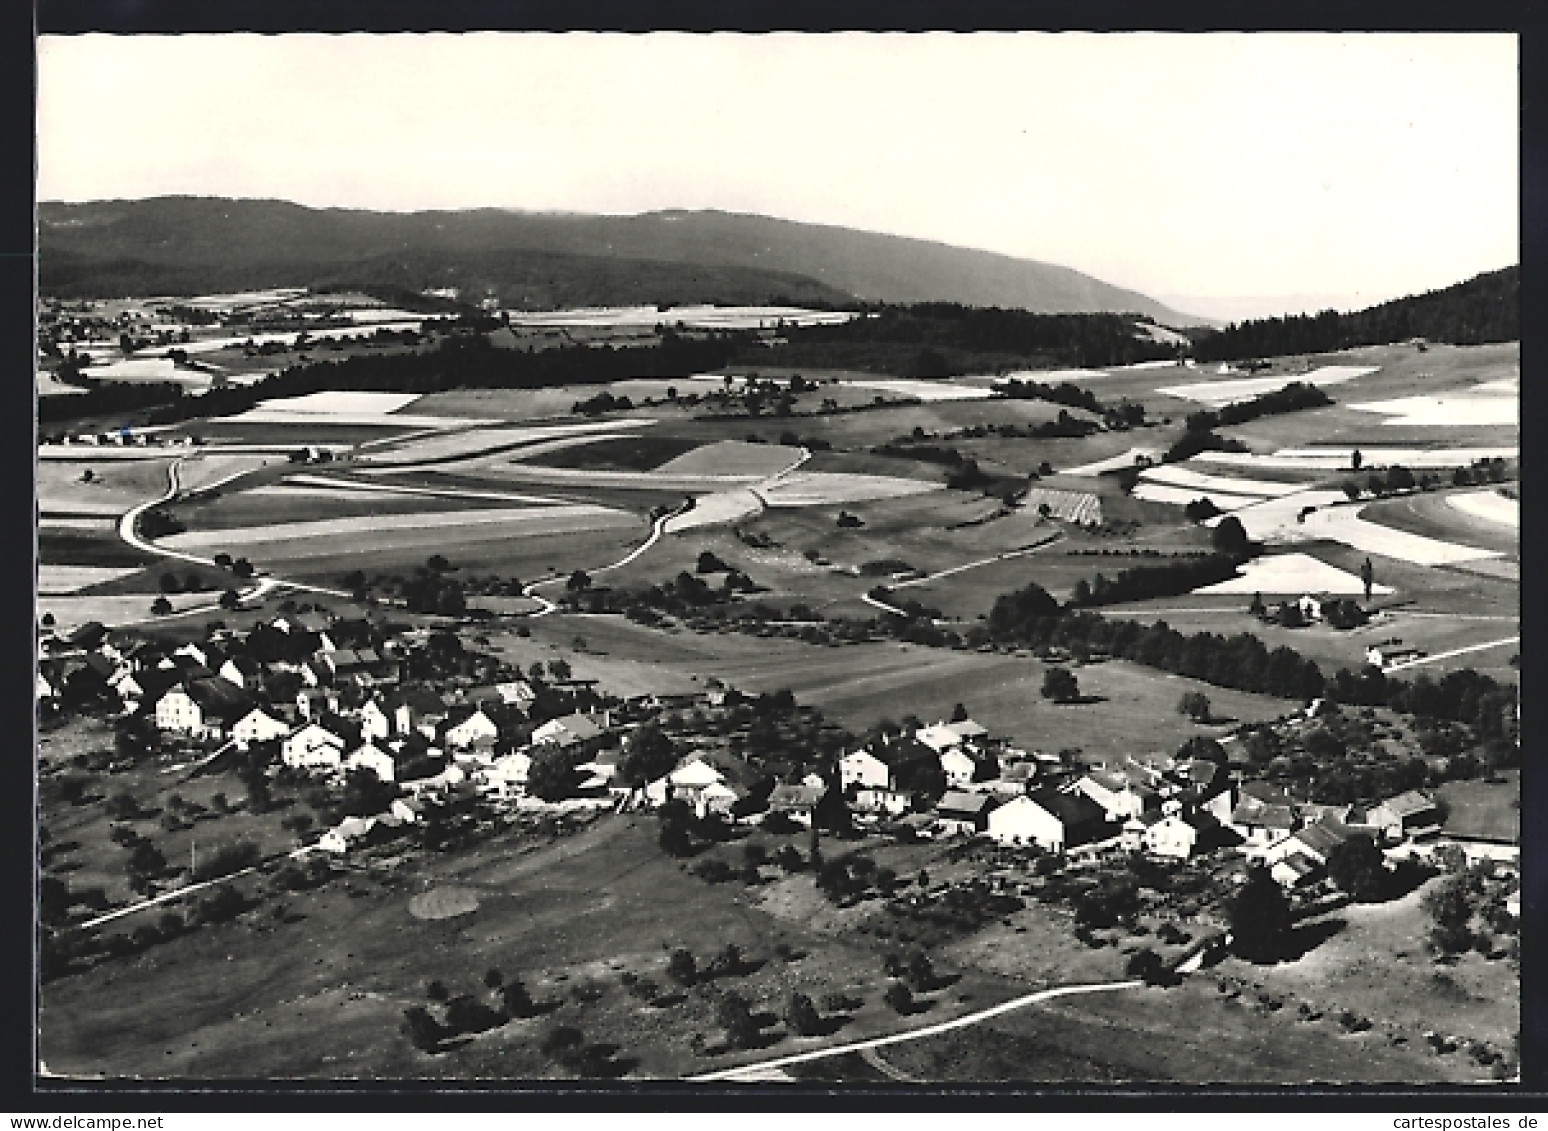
(539, 260)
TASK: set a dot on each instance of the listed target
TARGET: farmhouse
(798, 802)
(475, 728)
(570, 730)
(506, 779)
(1386, 655)
(1050, 820)
(242, 671)
(1119, 794)
(964, 813)
(258, 726)
(313, 746)
(417, 709)
(892, 802)
(371, 757)
(346, 834)
(887, 764)
(1406, 816)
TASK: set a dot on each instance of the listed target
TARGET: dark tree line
(1483, 309)
(1294, 397)
(946, 329)
(1144, 582)
(1030, 617)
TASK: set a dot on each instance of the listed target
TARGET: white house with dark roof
(370, 756)
(313, 747)
(258, 726)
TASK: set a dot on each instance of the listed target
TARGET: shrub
(682, 968)
(898, 998)
(422, 1030)
(801, 1016)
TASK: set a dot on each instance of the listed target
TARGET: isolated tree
(222, 559)
(1358, 867)
(578, 581)
(648, 755)
(242, 567)
(88, 475)
(1230, 537)
(735, 1017)
(682, 968)
(1256, 607)
(1367, 577)
(1081, 594)
(1060, 685)
(1194, 704)
(1451, 908)
(170, 583)
(1356, 459)
(230, 599)
(437, 564)
(959, 713)
(559, 669)
(423, 1031)
(801, 1015)
(552, 776)
(898, 997)
(161, 606)
(1351, 489)
(1260, 918)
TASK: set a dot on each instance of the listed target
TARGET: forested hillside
(1486, 308)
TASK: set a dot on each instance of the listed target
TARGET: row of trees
(1294, 397)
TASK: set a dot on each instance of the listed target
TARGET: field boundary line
(916, 1034)
(1453, 652)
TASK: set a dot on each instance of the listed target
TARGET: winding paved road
(129, 522)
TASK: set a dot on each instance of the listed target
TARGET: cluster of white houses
(350, 711)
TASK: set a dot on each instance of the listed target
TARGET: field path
(1454, 652)
(764, 1066)
(657, 529)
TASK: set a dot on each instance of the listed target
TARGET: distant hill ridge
(540, 260)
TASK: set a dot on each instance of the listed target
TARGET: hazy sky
(1231, 174)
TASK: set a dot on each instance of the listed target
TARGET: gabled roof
(967, 728)
(1409, 803)
(958, 803)
(1074, 810)
(245, 665)
(901, 752)
(794, 796)
(418, 699)
(1265, 792)
(219, 698)
(1299, 863)
(1323, 837)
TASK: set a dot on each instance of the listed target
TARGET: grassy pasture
(859, 684)
(320, 993)
(1188, 1035)
(85, 548)
(245, 509)
(1376, 966)
(1484, 808)
(644, 452)
(116, 485)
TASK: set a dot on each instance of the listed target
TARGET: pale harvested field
(1274, 520)
(805, 489)
(1113, 463)
(1182, 496)
(1344, 524)
(431, 525)
(927, 391)
(1488, 505)
(301, 420)
(1447, 412)
(71, 612)
(716, 508)
(1293, 574)
(488, 441)
(60, 580)
(73, 522)
(1174, 476)
(342, 403)
(732, 457)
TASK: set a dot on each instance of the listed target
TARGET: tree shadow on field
(827, 1026)
(666, 1001)
(1084, 700)
(1307, 938)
